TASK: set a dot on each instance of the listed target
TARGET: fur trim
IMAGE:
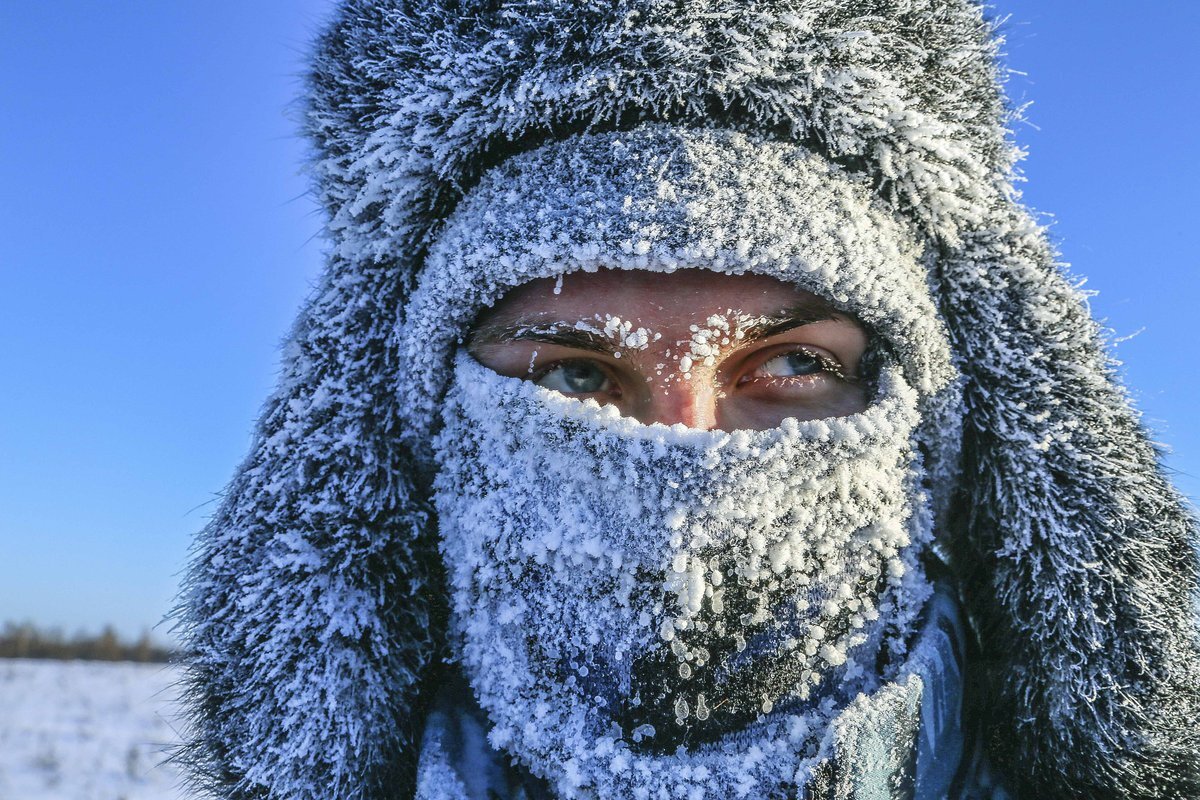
(1079, 556)
(411, 102)
(307, 609)
(311, 607)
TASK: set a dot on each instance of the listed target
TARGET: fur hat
(313, 609)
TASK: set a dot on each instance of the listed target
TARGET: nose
(691, 403)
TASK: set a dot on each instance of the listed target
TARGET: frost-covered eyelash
(828, 365)
(536, 375)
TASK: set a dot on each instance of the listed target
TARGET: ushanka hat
(315, 608)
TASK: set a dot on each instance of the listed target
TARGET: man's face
(701, 348)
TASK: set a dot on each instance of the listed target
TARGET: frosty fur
(312, 608)
(563, 524)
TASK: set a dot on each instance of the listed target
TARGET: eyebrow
(568, 334)
(797, 316)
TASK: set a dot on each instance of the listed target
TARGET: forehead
(676, 297)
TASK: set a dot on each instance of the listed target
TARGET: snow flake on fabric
(642, 607)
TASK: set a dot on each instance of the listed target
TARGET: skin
(700, 348)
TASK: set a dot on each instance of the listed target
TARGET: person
(688, 409)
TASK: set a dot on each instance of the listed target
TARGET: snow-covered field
(86, 731)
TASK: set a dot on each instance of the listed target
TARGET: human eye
(577, 376)
(797, 364)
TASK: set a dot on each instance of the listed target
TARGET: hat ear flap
(1079, 557)
(306, 607)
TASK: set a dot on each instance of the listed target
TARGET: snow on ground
(74, 730)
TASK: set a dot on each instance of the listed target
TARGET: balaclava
(327, 590)
(629, 588)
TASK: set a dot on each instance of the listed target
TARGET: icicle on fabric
(642, 607)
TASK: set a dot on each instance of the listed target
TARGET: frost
(629, 616)
(306, 677)
(810, 225)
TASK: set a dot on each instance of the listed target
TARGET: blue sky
(157, 240)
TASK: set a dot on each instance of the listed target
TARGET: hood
(313, 608)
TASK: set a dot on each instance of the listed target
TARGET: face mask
(641, 607)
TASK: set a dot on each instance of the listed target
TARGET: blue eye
(576, 377)
(791, 365)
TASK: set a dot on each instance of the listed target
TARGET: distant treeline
(27, 641)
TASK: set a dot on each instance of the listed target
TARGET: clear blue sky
(157, 240)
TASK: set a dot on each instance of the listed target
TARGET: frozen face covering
(641, 606)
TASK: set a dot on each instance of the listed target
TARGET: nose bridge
(690, 402)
